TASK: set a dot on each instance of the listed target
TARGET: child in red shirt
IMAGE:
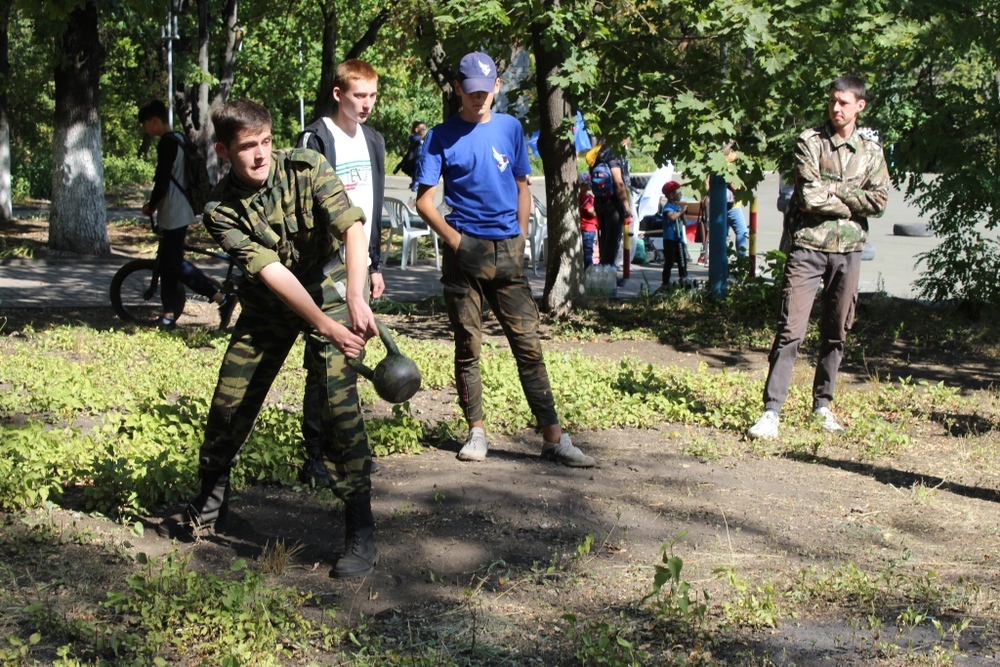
(588, 220)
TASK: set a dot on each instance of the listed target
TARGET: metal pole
(626, 250)
(170, 34)
(752, 250)
(302, 99)
(718, 262)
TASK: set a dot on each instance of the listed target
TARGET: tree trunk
(328, 64)
(78, 221)
(195, 102)
(6, 198)
(564, 263)
(444, 77)
(324, 105)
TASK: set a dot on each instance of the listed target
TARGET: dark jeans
(588, 248)
(494, 270)
(674, 251)
(175, 271)
(610, 223)
(803, 272)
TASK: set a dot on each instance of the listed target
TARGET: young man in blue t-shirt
(484, 162)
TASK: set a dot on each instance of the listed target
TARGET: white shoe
(566, 453)
(827, 420)
(475, 446)
(766, 426)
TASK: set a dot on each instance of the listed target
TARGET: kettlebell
(396, 378)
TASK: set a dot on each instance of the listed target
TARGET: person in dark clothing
(614, 211)
(408, 165)
(173, 215)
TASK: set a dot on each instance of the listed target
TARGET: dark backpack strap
(305, 136)
(182, 147)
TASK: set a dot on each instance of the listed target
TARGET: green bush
(127, 171)
(32, 178)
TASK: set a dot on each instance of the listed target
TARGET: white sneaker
(766, 426)
(827, 420)
(475, 446)
(566, 453)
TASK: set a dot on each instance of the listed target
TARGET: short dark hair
(153, 109)
(237, 115)
(849, 83)
(416, 124)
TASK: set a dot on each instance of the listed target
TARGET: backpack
(601, 181)
(199, 187)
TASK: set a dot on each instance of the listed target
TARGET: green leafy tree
(940, 89)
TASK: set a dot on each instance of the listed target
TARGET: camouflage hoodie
(839, 183)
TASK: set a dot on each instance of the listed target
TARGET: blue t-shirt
(479, 163)
(670, 227)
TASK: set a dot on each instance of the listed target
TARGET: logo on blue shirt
(501, 160)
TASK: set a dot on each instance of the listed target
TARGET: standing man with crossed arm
(840, 180)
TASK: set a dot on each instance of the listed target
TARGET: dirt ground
(485, 552)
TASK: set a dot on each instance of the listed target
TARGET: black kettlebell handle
(391, 349)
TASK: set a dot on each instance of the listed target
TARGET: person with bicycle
(284, 216)
(173, 215)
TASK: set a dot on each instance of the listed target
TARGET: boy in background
(674, 241)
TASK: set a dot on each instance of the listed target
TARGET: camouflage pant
(494, 270)
(312, 412)
(261, 340)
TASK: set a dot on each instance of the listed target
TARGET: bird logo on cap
(483, 67)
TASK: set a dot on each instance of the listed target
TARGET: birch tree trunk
(6, 198)
(78, 219)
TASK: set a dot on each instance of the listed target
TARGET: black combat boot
(206, 510)
(315, 472)
(360, 555)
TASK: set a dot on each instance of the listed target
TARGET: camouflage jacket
(839, 183)
(295, 218)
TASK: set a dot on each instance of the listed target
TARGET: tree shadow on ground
(898, 478)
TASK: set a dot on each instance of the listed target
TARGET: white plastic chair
(414, 216)
(538, 233)
(401, 222)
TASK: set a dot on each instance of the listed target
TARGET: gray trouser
(494, 270)
(803, 273)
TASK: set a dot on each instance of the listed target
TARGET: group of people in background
(302, 224)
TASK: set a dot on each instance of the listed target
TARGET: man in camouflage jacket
(284, 217)
(840, 180)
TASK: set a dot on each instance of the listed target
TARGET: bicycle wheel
(135, 292)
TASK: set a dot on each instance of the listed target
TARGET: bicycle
(135, 288)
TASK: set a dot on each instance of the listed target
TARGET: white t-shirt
(354, 169)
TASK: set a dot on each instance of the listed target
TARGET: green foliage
(753, 606)
(127, 171)
(223, 620)
(139, 399)
(671, 595)
(400, 434)
(601, 643)
(31, 176)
